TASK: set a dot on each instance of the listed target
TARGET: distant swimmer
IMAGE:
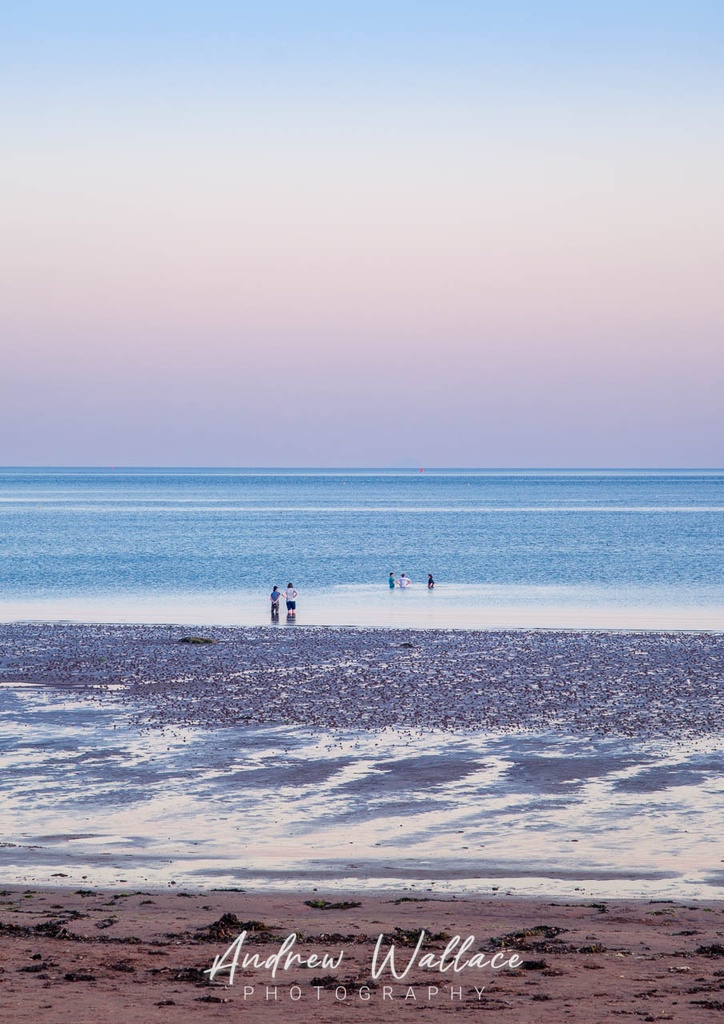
(392, 581)
(404, 582)
(276, 597)
(430, 582)
(290, 596)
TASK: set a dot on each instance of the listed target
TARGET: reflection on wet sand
(86, 792)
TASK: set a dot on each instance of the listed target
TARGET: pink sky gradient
(456, 275)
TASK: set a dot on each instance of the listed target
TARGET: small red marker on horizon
(422, 470)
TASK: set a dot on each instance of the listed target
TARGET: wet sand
(140, 957)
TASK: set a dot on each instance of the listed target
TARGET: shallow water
(86, 796)
(547, 549)
(449, 606)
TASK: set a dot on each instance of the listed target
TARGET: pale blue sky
(364, 48)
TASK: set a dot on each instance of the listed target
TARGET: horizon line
(366, 469)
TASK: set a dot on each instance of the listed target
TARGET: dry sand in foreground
(139, 958)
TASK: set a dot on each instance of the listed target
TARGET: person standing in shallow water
(404, 582)
(391, 581)
(276, 597)
(430, 582)
(290, 596)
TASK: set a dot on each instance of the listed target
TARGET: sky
(470, 234)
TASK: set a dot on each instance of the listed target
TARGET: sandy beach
(455, 768)
(94, 955)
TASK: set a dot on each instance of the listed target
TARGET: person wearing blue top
(276, 596)
(392, 581)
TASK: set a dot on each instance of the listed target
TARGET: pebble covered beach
(644, 685)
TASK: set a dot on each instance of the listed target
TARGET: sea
(89, 797)
(535, 549)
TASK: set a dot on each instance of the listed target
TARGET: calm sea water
(618, 549)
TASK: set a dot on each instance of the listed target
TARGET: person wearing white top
(290, 596)
(404, 581)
